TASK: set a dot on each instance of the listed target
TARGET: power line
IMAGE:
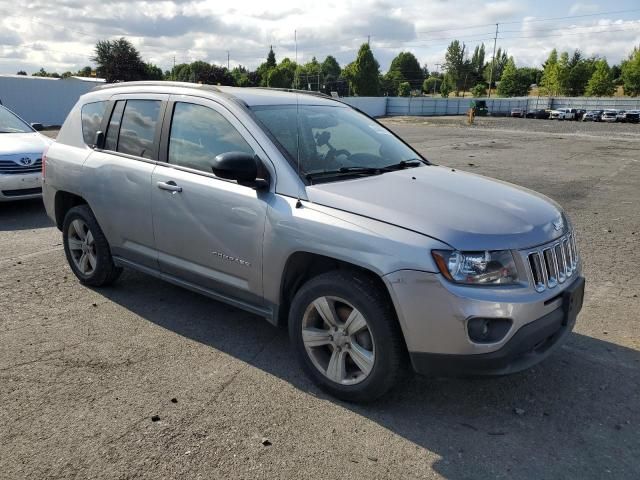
(469, 27)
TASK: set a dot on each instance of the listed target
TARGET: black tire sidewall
(105, 271)
(373, 304)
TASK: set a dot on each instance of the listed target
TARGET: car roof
(251, 96)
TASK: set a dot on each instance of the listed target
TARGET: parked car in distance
(592, 116)
(630, 116)
(538, 113)
(563, 114)
(21, 149)
(517, 112)
(298, 208)
(609, 116)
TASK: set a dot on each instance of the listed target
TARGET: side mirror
(99, 140)
(239, 166)
(38, 127)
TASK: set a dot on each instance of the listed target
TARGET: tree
(84, 72)
(404, 89)
(271, 58)
(580, 71)
(446, 86)
(477, 65)
(601, 83)
(118, 60)
(407, 65)
(390, 83)
(431, 84)
(21, 72)
(492, 75)
(550, 82)
(512, 82)
(479, 90)
(631, 73)
(153, 72)
(331, 72)
(365, 80)
(283, 75)
(220, 76)
(456, 65)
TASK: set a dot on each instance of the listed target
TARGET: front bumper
(20, 186)
(434, 313)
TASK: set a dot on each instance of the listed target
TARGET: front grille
(23, 191)
(553, 263)
(15, 167)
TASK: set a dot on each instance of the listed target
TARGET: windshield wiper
(414, 162)
(347, 171)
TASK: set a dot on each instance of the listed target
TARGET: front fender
(298, 226)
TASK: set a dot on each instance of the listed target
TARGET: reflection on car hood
(16, 143)
(467, 211)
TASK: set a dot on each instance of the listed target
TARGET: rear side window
(138, 127)
(92, 114)
(199, 134)
(111, 142)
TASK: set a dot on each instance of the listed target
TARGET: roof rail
(295, 90)
(157, 83)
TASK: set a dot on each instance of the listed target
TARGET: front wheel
(346, 336)
(87, 249)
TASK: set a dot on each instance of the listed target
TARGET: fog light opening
(488, 330)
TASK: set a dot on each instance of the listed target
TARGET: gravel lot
(82, 372)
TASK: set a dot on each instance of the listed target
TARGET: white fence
(427, 106)
(42, 100)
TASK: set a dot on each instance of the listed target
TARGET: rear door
(209, 231)
(119, 176)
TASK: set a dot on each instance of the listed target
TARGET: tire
(89, 257)
(380, 341)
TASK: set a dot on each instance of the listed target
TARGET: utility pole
(368, 39)
(493, 61)
(173, 71)
(438, 65)
(227, 59)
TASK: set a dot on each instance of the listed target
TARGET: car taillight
(44, 161)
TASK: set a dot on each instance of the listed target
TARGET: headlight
(477, 268)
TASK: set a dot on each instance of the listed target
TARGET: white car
(21, 149)
(563, 114)
(610, 116)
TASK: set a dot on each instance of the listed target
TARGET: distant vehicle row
(620, 116)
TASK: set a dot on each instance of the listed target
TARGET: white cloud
(59, 35)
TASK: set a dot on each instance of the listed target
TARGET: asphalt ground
(84, 373)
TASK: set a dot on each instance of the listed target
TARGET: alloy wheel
(338, 340)
(82, 246)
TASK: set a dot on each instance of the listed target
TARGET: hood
(19, 143)
(467, 211)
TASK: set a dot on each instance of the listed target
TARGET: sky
(60, 35)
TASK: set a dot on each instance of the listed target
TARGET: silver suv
(301, 209)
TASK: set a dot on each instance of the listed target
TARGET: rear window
(92, 114)
(138, 127)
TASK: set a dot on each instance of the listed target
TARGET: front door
(208, 231)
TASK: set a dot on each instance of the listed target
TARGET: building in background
(41, 99)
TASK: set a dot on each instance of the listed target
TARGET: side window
(199, 134)
(138, 127)
(92, 114)
(111, 140)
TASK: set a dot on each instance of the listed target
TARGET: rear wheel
(346, 336)
(87, 249)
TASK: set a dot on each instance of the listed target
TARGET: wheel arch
(65, 201)
(301, 266)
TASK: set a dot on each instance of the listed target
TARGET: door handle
(170, 186)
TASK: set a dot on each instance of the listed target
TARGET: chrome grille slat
(10, 167)
(552, 264)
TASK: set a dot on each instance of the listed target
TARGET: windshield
(333, 139)
(9, 123)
